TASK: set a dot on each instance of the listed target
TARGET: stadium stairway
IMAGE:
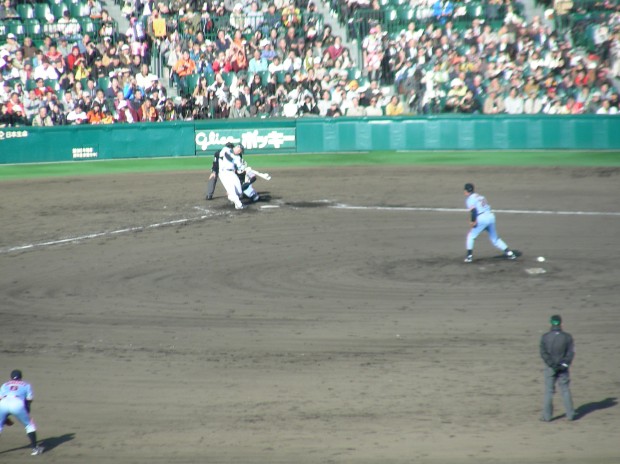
(331, 18)
(115, 13)
(123, 25)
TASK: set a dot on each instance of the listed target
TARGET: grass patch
(459, 158)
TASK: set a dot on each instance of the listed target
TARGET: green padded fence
(75, 143)
(459, 133)
(310, 135)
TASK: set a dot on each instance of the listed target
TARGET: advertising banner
(267, 140)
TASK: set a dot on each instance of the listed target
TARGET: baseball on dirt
(540, 259)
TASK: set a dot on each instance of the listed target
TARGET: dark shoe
(209, 197)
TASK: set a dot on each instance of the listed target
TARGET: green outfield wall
(309, 135)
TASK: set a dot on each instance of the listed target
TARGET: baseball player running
(482, 218)
(15, 398)
(229, 165)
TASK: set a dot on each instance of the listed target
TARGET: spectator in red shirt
(53, 55)
(74, 58)
(14, 104)
(336, 49)
(237, 59)
(41, 89)
(573, 107)
(221, 64)
(126, 114)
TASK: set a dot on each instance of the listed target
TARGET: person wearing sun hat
(11, 44)
(557, 350)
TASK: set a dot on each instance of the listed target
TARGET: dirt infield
(157, 327)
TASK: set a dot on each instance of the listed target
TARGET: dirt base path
(158, 327)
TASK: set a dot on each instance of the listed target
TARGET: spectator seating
(394, 17)
(26, 11)
(34, 19)
(583, 21)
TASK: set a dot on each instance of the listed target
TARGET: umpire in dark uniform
(557, 350)
(213, 176)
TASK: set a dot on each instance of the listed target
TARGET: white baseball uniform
(229, 164)
(485, 220)
(13, 397)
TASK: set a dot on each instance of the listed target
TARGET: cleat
(238, 206)
(468, 259)
(37, 451)
(255, 198)
(209, 197)
(510, 255)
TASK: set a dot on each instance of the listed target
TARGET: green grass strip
(439, 158)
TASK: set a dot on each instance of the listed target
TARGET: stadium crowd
(278, 59)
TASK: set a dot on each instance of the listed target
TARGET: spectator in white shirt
(533, 104)
(276, 65)
(373, 109)
(45, 71)
(513, 102)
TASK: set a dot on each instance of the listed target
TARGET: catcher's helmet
(469, 187)
(16, 374)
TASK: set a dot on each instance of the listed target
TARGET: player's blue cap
(16, 374)
(556, 320)
(469, 187)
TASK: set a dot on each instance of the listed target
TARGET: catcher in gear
(247, 178)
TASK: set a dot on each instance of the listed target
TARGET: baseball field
(334, 321)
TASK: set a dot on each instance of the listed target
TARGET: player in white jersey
(247, 177)
(230, 164)
(482, 218)
(15, 398)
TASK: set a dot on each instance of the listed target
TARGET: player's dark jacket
(557, 347)
(215, 167)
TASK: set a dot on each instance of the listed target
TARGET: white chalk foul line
(108, 233)
(208, 214)
(81, 238)
(461, 210)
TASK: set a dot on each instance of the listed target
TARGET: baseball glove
(8, 422)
